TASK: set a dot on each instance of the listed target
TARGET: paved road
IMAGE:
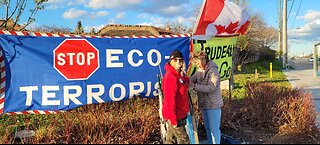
(302, 77)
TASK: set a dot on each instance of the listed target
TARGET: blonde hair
(199, 56)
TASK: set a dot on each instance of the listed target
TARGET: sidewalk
(302, 77)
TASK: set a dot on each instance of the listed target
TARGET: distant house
(9, 26)
(133, 30)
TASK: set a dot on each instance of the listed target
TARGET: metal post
(271, 70)
(231, 86)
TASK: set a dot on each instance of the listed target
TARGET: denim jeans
(212, 119)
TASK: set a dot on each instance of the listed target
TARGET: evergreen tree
(93, 31)
(79, 28)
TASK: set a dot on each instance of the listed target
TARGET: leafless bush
(295, 114)
(133, 121)
(285, 109)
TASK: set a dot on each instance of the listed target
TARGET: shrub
(261, 97)
(296, 113)
(132, 121)
(285, 109)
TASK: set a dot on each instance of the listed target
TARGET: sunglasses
(177, 60)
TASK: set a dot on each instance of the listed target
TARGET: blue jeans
(212, 119)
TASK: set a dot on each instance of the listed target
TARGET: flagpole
(199, 16)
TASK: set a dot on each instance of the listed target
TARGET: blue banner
(59, 74)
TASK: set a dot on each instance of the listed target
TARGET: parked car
(311, 59)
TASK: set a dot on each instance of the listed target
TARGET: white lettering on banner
(114, 61)
(29, 91)
(123, 92)
(156, 86)
(111, 58)
(150, 57)
(134, 92)
(73, 97)
(79, 58)
(47, 94)
(149, 89)
(95, 95)
(130, 58)
(94, 91)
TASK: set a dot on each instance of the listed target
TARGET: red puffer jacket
(175, 90)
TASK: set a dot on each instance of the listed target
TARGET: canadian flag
(220, 18)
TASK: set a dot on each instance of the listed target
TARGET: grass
(241, 78)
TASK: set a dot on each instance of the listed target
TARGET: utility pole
(284, 34)
(280, 48)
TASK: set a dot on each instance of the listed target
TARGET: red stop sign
(76, 59)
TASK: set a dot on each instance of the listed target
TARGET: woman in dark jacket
(176, 103)
(206, 82)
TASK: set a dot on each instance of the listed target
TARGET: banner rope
(37, 34)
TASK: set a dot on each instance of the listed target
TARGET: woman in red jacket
(176, 103)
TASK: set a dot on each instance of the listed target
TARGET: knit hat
(176, 54)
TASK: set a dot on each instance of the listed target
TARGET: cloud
(113, 4)
(76, 2)
(120, 15)
(153, 22)
(97, 28)
(55, 1)
(310, 16)
(169, 8)
(74, 13)
(309, 32)
(57, 4)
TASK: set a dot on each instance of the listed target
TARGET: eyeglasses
(178, 60)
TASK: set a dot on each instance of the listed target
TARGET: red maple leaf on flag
(244, 28)
(220, 29)
(232, 28)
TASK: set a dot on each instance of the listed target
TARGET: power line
(296, 15)
(291, 9)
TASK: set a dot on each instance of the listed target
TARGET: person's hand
(201, 68)
(183, 73)
(191, 86)
(183, 69)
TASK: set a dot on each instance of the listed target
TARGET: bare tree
(14, 11)
(177, 27)
(242, 3)
(259, 37)
(52, 29)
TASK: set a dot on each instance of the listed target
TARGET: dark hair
(199, 56)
